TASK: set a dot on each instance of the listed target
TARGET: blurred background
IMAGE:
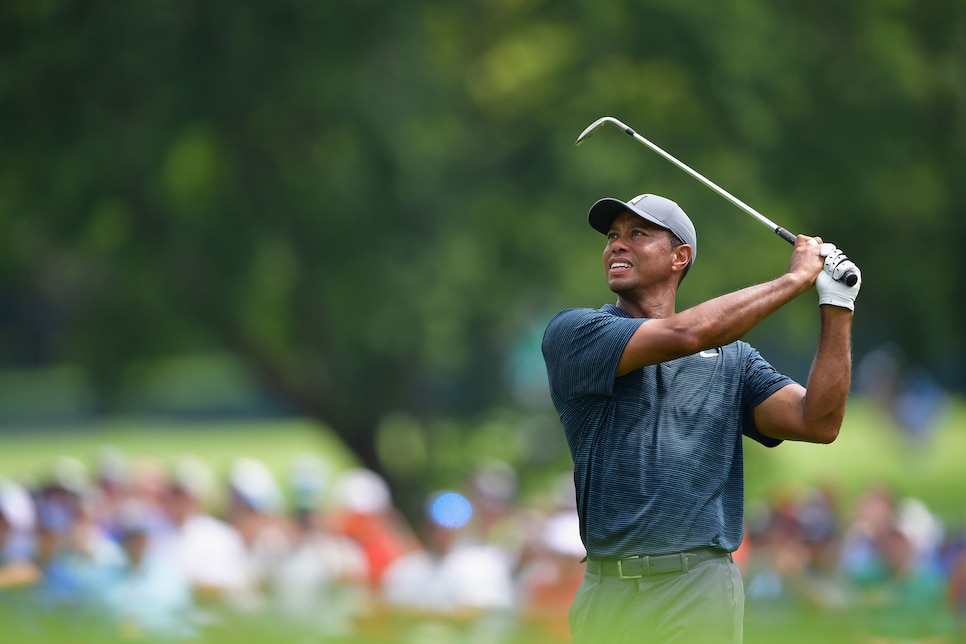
(284, 268)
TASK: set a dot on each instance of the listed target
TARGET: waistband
(645, 565)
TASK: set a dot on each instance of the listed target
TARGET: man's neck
(652, 308)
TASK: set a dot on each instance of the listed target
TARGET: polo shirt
(658, 464)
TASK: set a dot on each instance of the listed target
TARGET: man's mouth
(619, 267)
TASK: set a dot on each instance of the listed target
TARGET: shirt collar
(613, 309)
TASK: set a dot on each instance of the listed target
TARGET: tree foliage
(378, 205)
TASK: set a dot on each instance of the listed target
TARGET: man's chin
(619, 286)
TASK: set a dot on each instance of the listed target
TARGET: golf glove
(830, 289)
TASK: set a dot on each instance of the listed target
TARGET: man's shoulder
(570, 320)
(575, 336)
(587, 313)
(579, 310)
(739, 347)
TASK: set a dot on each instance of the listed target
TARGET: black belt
(644, 565)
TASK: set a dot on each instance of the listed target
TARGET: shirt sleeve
(761, 381)
(582, 347)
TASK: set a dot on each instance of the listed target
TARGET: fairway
(871, 449)
(277, 443)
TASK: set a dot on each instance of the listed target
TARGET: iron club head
(593, 127)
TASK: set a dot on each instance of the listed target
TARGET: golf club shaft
(850, 277)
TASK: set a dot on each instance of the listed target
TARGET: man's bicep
(781, 415)
(653, 342)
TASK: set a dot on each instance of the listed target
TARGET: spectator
(956, 594)
(110, 487)
(256, 512)
(321, 584)
(364, 513)
(456, 585)
(905, 600)
(552, 573)
(874, 516)
(492, 490)
(145, 596)
(73, 551)
(17, 520)
(206, 549)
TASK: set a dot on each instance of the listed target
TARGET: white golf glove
(830, 289)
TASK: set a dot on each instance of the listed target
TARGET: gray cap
(658, 210)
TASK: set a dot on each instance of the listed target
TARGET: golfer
(654, 403)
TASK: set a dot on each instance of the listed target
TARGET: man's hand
(830, 289)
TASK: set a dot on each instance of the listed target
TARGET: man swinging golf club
(654, 403)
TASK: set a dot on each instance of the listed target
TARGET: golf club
(849, 277)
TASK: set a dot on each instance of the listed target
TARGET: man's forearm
(713, 323)
(830, 377)
(730, 317)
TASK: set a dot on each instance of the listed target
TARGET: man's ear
(681, 256)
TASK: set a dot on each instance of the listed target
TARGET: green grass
(870, 449)
(30, 455)
(762, 625)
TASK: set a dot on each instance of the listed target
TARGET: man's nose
(618, 243)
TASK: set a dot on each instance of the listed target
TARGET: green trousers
(705, 605)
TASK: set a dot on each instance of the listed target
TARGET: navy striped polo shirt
(657, 452)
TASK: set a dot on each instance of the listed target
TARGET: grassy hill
(871, 449)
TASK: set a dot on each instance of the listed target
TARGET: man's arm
(814, 413)
(724, 319)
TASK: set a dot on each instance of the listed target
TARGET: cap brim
(603, 213)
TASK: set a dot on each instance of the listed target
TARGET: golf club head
(593, 127)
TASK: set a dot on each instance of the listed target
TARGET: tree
(372, 204)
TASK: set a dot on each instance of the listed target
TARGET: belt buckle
(620, 567)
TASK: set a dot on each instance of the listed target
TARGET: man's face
(180, 505)
(135, 543)
(638, 253)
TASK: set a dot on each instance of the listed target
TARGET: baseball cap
(658, 210)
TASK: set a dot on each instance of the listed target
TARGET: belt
(644, 565)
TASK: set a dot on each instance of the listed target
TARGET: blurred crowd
(887, 568)
(136, 549)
